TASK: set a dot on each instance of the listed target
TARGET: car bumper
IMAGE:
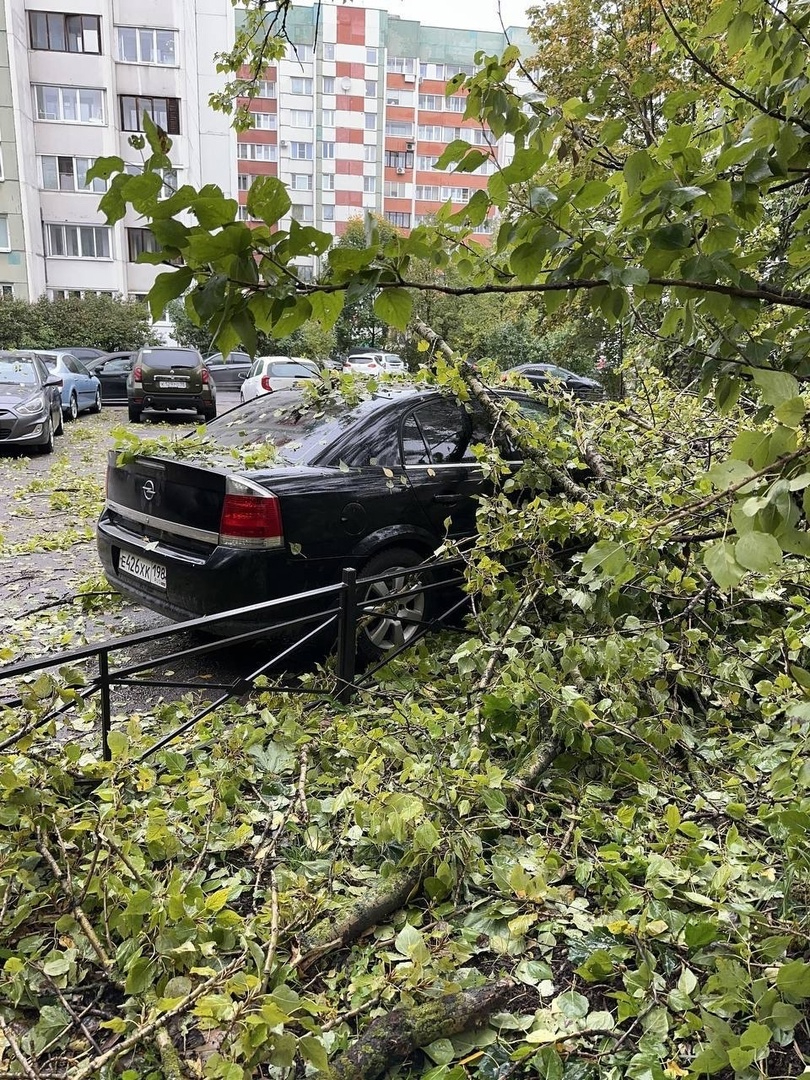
(26, 431)
(199, 402)
(205, 584)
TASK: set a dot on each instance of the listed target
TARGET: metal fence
(337, 615)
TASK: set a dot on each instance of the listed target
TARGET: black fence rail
(339, 612)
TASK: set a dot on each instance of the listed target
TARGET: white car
(374, 363)
(270, 373)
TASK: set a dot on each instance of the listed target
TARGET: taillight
(266, 384)
(137, 374)
(206, 375)
(251, 516)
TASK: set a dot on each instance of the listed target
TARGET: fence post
(347, 635)
(104, 680)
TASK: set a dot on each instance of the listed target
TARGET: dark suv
(165, 378)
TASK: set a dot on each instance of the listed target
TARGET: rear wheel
(210, 414)
(391, 620)
(134, 414)
(96, 406)
(73, 407)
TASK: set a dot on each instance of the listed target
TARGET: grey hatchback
(30, 402)
(170, 378)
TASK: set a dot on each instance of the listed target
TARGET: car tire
(96, 406)
(394, 623)
(134, 414)
(209, 414)
(47, 447)
(73, 407)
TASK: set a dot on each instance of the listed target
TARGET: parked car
(81, 390)
(546, 375)
(112, 370)
(372, 362)
(170, 378)
(230, 371)
(30, 402)
(79, 351)
(370, 486)
(269, 374)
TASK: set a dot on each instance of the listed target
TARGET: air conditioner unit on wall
(410, 146)
(400, 171)
(409, 78)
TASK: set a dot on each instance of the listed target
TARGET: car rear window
(285, 419)
(290, 371)
(168, 358)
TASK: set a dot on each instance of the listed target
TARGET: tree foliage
(100, 322)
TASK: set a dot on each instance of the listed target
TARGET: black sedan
(229, 371)
(30, 402)
(548, 376)
(112, 370)
(376, 487)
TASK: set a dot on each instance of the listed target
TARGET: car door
(88, 383)
(113, 378)
(228, 372)
(435, 440)
(82, 384)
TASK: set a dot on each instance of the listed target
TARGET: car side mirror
(53, 380)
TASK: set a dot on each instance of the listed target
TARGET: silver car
(30, 402)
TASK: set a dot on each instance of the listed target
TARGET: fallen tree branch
(391, 1039)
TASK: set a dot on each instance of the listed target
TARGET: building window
(300, 52)
(370, 121)
(431, 132)
(403, 64)
(139, 241)
(301, 181)
(400, 128)
(300, 86)
(249, 151)
(69, 174)
(300, 118)
(165, 112)
(5, 245)
(398, 218)
(264, 121)
(328, 84)
(399, 159)
(395, 191)
(2, 174)
(328, 50)
(328, 183)
(328, 117)
(69, 104)
(327, 150)
(328, 212)
(243, 181)
(56, 32)
(369, 184)
(370, 153)
(400, 97)
(371, 56)
(301, 212)
(426, 162)
(455, 104)
(371, 87)
(6, 291)
(78, 241)
(171, 180)
(265, 89)
(301, 151)
(434, 102)
(143, 45)
(431, 192)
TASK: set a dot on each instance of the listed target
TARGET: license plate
(172, 384)
(143, 569)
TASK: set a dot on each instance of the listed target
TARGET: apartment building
(355, 116)
(75, 82)
(352, 119)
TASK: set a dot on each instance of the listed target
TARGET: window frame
(65, 16)
(5, 245)
(79, 229)
(62, 91)
(154, 31)
(77, 188)
(172, 111)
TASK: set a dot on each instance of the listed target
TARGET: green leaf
(739, 32)
(394, 306)
(326, 307)
(673, 237)
(214, 211)
(314, 1052)
(757, 551)
(104, 167)
(526, 262)
(168, 286)
(722, 565)
(140, 976)
(591, 194)
(775, 386)
(267, 199)
(756, 1036)
(791, 412)
(572, 1005)
(793, 979)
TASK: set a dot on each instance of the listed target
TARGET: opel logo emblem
(149, 490)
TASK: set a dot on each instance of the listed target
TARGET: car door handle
(449, 500)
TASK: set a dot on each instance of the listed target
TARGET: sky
(463, 14)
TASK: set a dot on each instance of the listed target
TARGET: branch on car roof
(502, 424)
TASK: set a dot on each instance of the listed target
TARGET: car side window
(72, 365)
(257, 368)
(116, 367)
(437, 433)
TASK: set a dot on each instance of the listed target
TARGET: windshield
(168, 358)
(17, 372)
(285, 419)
